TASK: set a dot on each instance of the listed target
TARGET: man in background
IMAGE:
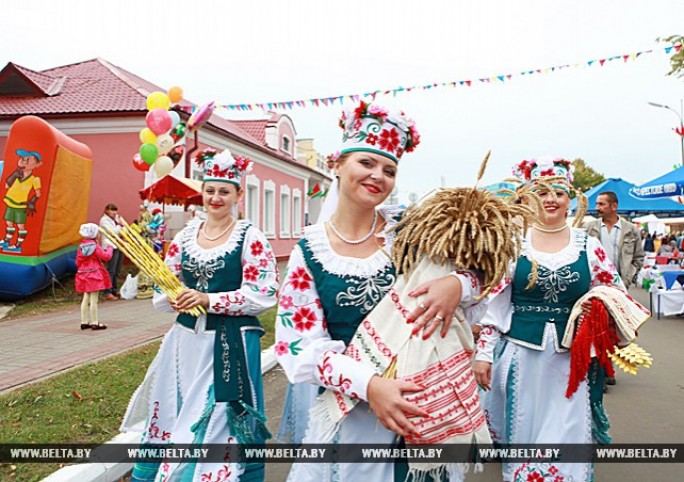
(620, 239)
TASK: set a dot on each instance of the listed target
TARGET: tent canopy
(667, 185)
(173, 190)
(628, 205)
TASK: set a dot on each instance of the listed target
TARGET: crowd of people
(205, 385)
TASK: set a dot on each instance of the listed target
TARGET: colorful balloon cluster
(164, 130)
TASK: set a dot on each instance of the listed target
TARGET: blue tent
(667, 185)
(628, 205)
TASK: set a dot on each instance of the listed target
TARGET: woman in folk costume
(524, 326)
(205, 384)
(337, 274)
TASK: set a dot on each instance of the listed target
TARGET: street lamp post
(681, 120)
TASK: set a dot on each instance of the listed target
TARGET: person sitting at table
(667, 248)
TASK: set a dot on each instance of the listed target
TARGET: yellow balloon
(147, 136)
(158, 100)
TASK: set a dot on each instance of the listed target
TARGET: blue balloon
(175, 118)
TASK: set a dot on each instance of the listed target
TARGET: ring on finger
(439, 318)
(422, 306)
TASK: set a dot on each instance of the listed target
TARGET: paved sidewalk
(37, 347)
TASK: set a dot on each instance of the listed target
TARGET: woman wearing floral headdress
(204, 386)
(523, 328)
(337, 274)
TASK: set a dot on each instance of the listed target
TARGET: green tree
(585, 177)
(677, 59)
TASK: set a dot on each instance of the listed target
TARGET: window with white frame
(296, 213)
(285, 227)
(252, 200)
(269, 209)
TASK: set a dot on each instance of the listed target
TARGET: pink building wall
(115, 180)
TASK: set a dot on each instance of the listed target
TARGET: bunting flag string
(503, 78)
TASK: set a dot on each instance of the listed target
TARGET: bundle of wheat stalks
(631, 358)
(131, 243)
(473, 227)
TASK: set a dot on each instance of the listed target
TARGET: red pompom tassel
(595, 328)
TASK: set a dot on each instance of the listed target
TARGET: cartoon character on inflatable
(45, 189)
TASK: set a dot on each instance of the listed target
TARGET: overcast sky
(262, 51)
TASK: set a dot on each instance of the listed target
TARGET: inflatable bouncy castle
(45, 186)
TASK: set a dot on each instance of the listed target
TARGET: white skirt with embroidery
(361, 426)
(527, 405)
(174, 396)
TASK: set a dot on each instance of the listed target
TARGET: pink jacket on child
(92, 274)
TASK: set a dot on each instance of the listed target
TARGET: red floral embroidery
(304, 319)
(263, 263)
(342, 383)
(371, 139)
(225, 301)
(389, 140)
(535, 477)
(300, 279)
(250, 273)
(600, 254)
(547, 172)
(281, 348)
(257, 248)
(319, 305)
(558, 478)
(286, 302)
(172, 251)
(605, 277)
(553, 470)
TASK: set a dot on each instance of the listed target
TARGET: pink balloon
(200, 116)
(158, 120)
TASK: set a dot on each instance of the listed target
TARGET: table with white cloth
(654, 275)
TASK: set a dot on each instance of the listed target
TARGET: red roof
(93, 86)
(255, 128)
(99, 87)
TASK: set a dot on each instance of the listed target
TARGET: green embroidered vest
(346, 299)
(231, 379)
(550, 300)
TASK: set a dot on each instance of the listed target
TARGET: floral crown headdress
(223, 166)
(373, 128)
(546, 174)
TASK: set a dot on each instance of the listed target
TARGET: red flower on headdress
(389, 140)
(205, 154)
(360, 111)
(371, 139)
(547, 172)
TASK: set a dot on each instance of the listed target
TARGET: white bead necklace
(551, 230)
(214, 238)
(355, 241)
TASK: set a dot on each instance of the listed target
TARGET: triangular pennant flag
(677, 48)
(602, 61)
(468, 82)
(625, 57)
(668, 50)
(500, 77)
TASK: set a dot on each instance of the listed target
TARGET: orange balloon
(175, 94)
